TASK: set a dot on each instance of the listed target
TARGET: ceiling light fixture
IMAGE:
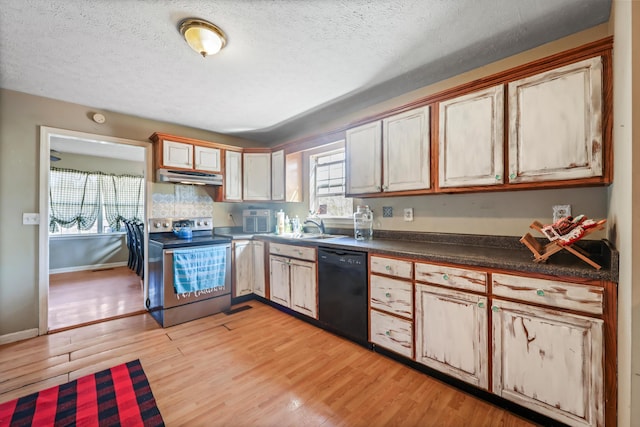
(203, 37)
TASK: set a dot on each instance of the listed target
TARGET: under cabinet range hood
(188, 177)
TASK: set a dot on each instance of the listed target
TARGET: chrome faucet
(320, 225)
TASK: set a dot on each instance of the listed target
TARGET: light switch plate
(408, 214)
(30, 218)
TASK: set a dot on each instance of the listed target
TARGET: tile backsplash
(179, 201)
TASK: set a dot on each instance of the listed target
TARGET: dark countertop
(496, 252)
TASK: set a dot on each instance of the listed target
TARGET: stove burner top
(169, 240)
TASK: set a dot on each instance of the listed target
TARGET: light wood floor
(84, 297)
(257, 367)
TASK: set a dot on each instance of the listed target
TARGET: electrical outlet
(561, 211)
(30, 218)
(408, 214)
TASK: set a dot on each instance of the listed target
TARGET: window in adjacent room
(93, 202)
(327, 185)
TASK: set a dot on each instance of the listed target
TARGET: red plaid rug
(120, 396)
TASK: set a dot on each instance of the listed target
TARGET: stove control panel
(164, 225)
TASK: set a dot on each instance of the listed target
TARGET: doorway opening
(91, 187)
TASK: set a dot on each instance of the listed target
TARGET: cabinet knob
(512, 176)
(378, 187)
(388, 333)
(387, 267)
(481, 304)
(498, 177)
(540, 292)
(495, 308)
(388, 295)
(445, 276)
(385, 187)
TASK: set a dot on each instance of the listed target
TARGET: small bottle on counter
(280, 222)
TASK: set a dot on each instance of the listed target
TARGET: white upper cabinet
(233, 176)
(399, 144)
(177, 154)
(405, 149)
(555, 124)
(364, 172)
(257, 176)
(277, 175)
(207, 159)
(470, 139)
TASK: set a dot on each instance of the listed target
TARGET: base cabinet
(248, 268)
(303, 287)
(549, 361)
(452, 333)
(259, 287)
(293, 281)
(280, 290)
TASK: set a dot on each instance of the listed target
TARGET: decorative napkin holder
(542, 252)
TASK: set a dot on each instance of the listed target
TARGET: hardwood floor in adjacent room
(84, 297)
(257, 367)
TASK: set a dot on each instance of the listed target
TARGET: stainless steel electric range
(189, 270)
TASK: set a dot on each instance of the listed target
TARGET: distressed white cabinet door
(303, 287)
(257, 176)
(243, 267)
(207, 159)
(405, 151)
(363, 147)
(555, 124)
(279, 273)
(470, 139)
(549, 361)
(258, 268)
(451, 333)
(233, 176)
(277, 175)
(177, 154)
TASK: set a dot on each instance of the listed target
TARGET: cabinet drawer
(391, 295)
(392, 267)
(292, 251)
(453, 277)
(553, 293)
(392, 333)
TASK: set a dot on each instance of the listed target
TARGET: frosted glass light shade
(203, 37)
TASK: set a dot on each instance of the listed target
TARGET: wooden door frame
(46, 133)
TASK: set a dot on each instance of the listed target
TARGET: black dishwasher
(342, 293)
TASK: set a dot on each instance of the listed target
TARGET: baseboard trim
(87, 267)
(18, 336)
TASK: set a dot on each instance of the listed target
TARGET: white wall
(20, 118)
(623, 197)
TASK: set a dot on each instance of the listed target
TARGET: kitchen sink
(306, 236)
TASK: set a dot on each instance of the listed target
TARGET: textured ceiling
(286, 62)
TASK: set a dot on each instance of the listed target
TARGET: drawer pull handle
(495, 308)
(445, 276)
(540, 292)
(388, 295)
(481, 304)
